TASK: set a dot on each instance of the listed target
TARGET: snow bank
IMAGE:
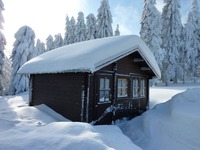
(172, 125)
(165, 93)
(25, 127)
(115, 138)
(66, 135)
(58, 135)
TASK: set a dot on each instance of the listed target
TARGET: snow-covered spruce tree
(192, 41)
(1, 15)
(80, 29)
(22, 50)
(188, 31)
(71, 31)
(67, 24)
(91, 27)
(171, 40)
(104, 20)
(2, 47)
(150, 30)
(58, 40)
(40, 47)
(6, 76)
(49, 43)
(117, 32)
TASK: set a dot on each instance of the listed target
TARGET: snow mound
(25, 127)
(186, 105)
(54, 136)
(44, 108)
(115, 138)
(172, 125)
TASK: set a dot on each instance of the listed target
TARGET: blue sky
(48, 16)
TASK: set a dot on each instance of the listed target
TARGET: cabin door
(104, 94)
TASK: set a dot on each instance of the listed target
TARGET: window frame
(136, 88)
(143, 87)
(106, 99)
(125, 90)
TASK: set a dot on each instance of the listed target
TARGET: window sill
(106, 102)
(122, 98)
(139, 97)
(142, 96)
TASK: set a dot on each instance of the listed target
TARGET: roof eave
(156, 73)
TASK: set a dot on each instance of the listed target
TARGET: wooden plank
(138, 60)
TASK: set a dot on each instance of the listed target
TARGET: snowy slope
(173, 125)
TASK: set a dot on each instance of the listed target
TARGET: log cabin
(96, 81)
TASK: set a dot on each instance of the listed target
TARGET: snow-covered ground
(173, 125)
(25, 127)
(164, 93)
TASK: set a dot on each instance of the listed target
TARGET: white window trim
(104, 99)
(124, 88)
(136, 93)
(142, 88)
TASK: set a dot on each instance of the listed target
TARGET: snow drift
(25, 127)
(172, 125)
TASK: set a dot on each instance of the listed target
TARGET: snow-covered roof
(90, 56)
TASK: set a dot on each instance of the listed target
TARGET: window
(139, 87)
(142, 88)
(135, 88)
(104, 91)
(122, 87)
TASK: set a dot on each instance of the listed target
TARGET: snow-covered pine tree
(67, 24)
(71, 31)
(104, 20)
(188, 31)
(192, 41)
(150, 30)
(6, 76)
(49, 43)
(20, 54)
(58, 40)
(1, 15)
(80, 29)
(117, 32)
(40, 47)
(31, 40)
(171, 39)
(91, 27)
(2, 47)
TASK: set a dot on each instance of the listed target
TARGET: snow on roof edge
(155, 71)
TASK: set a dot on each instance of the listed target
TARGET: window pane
(101, 96)
(107, 93)
(107, 84)
(119, 92)
(101, 84)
